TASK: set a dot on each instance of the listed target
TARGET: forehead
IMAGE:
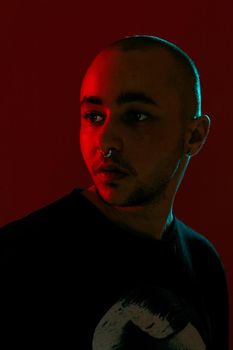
(113, 72)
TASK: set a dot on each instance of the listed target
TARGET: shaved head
(185, 77)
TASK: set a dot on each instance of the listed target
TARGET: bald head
(185, 76)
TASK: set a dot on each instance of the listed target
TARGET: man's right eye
(94, 117)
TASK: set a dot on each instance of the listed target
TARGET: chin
(112, 196)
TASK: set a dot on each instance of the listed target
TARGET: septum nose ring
(107, 154)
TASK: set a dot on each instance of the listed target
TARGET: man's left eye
(137, 116)
(141, 116)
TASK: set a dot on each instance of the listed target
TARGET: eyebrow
(127, 97)
(135, 96)
(95, 100)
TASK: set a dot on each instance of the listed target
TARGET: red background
(45, 49)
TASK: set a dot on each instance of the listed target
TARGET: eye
(136, 116)
(141, 116)
(94, 117)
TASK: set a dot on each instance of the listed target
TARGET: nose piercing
(107, 154)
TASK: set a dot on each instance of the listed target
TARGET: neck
(149, 220)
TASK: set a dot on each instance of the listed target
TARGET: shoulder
(194, 240)
(210, 279)
(55, 213)
(202, 253)
(49, 229)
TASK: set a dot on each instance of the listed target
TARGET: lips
(110, 172)
(111, 176)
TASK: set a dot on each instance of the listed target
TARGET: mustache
(113, 164)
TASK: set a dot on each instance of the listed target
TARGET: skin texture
(151, 141)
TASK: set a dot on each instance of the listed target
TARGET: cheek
(85, 143)
(143, 147)
(153, 152)
(140, 156)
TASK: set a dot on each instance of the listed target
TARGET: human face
(130, 103)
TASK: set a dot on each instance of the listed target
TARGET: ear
(196, 134)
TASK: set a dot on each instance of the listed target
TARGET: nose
(110, 137)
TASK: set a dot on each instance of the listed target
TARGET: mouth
(111, 176)
(111, 173)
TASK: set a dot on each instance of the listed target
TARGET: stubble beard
(144, 194)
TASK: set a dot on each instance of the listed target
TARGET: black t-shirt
(66, 265)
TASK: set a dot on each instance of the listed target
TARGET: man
(64, 266)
